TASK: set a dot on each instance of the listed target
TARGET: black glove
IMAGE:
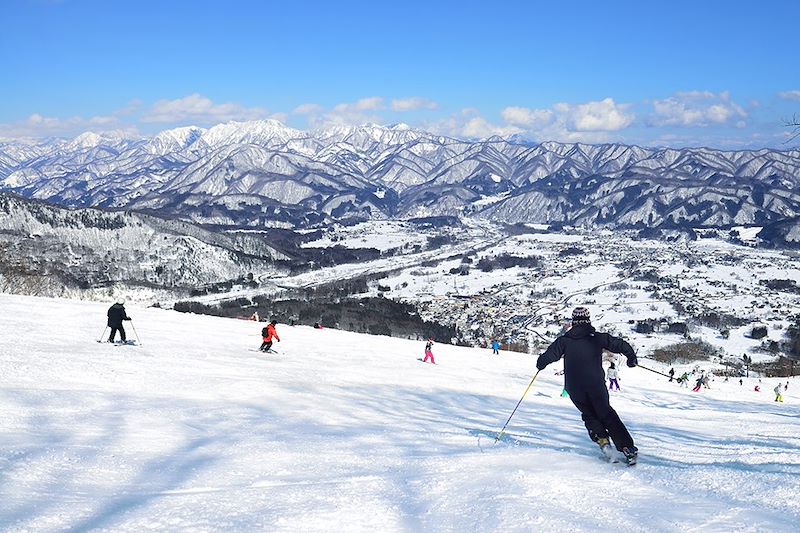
(126, 318)
(540, 365)
(632, 362)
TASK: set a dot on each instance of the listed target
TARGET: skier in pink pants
(428, 351)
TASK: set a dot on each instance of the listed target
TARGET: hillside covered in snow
(47, 250)
(194, 429)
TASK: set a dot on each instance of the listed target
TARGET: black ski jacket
(582, 348)
(116, 314)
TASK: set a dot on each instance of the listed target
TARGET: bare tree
(793, 123)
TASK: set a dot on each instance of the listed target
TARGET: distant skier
(684, 380)
(699, 383)
(778, 396)
(495, 347)
(786, 387)
(116, 314)
(254, 317)
(268, 333)
(612, 377)
(429, 351)
(671, 374)
(582, 349)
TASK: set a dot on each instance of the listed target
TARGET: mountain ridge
(294, 177)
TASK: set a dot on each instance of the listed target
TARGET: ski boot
(606, 449)
(631, 454)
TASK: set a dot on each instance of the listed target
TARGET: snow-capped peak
(176, 139)
(254, 131)
(85, 140)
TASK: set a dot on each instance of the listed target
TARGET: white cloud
(605, 115)
(697, 109)
(37, 125)
(131, 108)
(469, 124)
(590, 122)
(307, 109)
(198, 108)
(529, 118)
(413, 104)
(280, 117)
(790, 95)
(365, 110)
(373, 103)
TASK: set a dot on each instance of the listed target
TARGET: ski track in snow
(348, 432)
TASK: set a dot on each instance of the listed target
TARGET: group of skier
(582, 348)
(703, 380)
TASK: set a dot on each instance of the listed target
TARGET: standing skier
(778, 395)
(116, 314)
(268, 333)
(612, 377)
(671, 374)
(699, 383)
(582, 349)
(429, 351)
(495, 347)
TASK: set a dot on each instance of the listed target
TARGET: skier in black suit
(582, 348)
(116, 314)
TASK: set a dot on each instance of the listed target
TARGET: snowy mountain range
(263, 173)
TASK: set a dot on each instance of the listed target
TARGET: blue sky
(657, 73)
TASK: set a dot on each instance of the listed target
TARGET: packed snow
(194, 429)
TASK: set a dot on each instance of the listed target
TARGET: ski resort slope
(195, 430)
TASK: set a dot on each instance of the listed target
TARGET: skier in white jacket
(613, 375)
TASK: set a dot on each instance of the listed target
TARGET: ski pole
(653, 371)
(136, 333)
(102, 335)
(515, 408)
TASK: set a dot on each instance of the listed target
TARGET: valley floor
(196, 430)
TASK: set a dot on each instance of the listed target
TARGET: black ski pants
(114, 330)
(265, 346)
(600, 419)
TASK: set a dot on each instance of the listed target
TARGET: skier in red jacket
(268, 333)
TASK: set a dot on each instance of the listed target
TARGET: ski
(631, 455)
(631, 461)
(607, 454)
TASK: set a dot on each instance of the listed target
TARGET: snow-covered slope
(263, 172)
(195, 430)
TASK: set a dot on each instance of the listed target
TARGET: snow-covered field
(195, 430)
